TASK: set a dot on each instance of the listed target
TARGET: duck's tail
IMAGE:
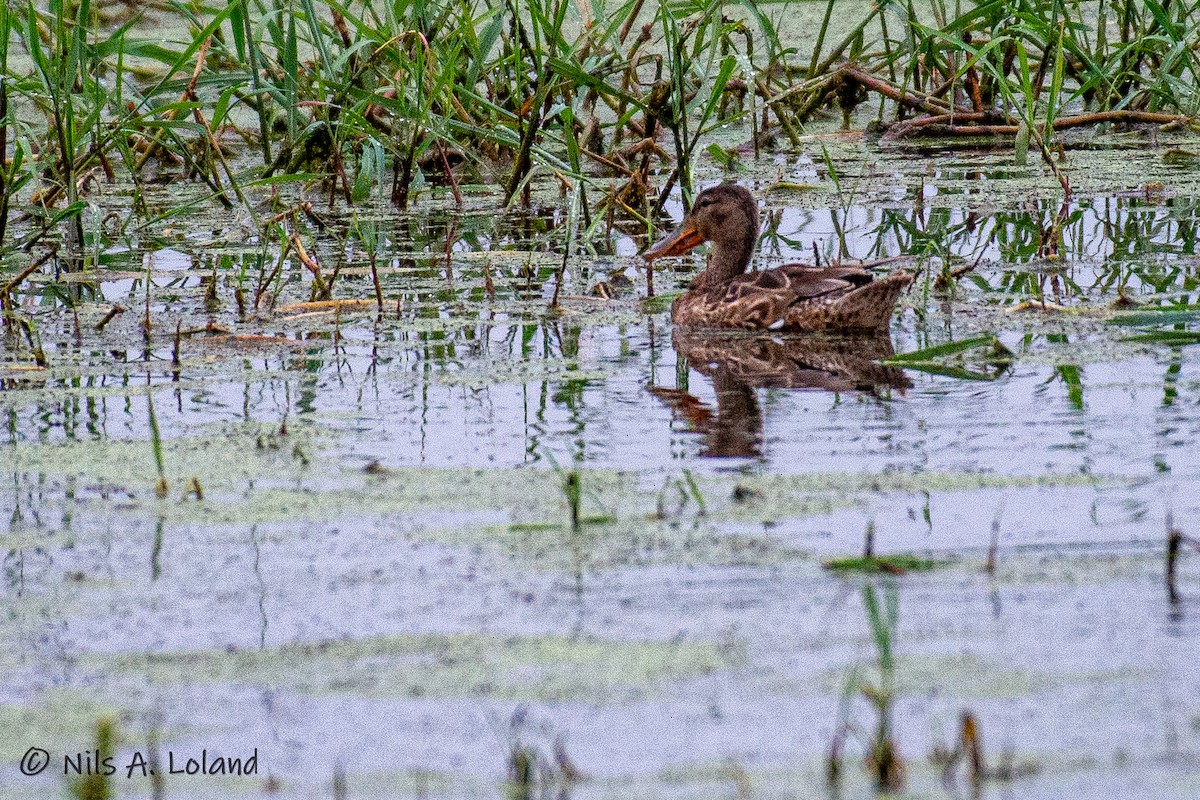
(870, 307)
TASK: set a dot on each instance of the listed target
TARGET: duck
(793, 298)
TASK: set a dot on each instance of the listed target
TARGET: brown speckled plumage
(791, 298)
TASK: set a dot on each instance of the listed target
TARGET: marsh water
(364, 564)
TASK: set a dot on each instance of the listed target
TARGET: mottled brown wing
(808, 281)
(760, 300)
(801, 282)
(753, 309)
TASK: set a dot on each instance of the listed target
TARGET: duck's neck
(729, 259)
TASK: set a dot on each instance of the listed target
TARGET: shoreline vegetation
(614, 101)
(300, 126)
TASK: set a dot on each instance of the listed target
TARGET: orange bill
(682, 239)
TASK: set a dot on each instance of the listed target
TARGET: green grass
(615, 103)
(893, 564)
(378, 99)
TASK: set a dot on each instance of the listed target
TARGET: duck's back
(794, 298)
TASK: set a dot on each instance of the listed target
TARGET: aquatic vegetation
(94, 770)
(869, 562)
(882, 758)
(537, 768)
(390, 102)
(1021, 69)
(937, 359)
(543, 668)
(1176, 540)
(895, 564)
(968, 750)
(366, 99)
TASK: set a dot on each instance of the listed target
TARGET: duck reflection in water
(740, 363)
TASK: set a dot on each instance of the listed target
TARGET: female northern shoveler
(794, 297)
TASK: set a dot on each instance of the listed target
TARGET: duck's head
(727, 216)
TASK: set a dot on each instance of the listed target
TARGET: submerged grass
(250, 473)
(897, 564)
(549, 668)
(882, 757)
(94, 781)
